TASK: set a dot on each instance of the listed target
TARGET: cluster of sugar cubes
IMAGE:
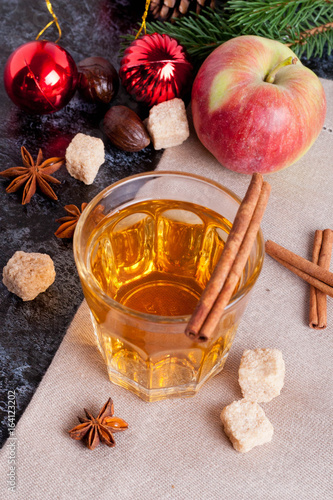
(261, 378)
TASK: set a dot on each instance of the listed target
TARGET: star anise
(92, 430)
(68, 223)
(33, 175)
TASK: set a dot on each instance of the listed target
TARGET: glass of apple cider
(145, 249)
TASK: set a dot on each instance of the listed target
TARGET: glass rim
(86, 275)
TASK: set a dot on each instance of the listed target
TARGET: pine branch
(278, 14)
(303, 25)
(313, 41)
(200, 35)
(306, 26)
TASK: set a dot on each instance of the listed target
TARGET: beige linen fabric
(176, 449)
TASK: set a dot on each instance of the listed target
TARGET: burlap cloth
(177, 448)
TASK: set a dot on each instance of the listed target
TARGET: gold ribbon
(55, 20)
(143, 24)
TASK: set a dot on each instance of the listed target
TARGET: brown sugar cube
(84, 156)
(261, 374)
(167, 124)
(246, 425)
(28, 274)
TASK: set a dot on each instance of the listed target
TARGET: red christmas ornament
(40, 77)
(155, 68)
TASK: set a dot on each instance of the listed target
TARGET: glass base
(152, 395)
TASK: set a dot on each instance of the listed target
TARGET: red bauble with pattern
(155, 69)
(40, 77)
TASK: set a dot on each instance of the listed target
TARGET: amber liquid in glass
(156, 257)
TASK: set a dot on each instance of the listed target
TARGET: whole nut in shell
(125, 129)
(98, 80)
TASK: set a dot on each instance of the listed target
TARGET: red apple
(247, 123)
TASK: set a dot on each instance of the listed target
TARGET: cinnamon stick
(307, 267)
(223, 298)
(232, 261)
(321, 255)
(320, 285)
(313, 309)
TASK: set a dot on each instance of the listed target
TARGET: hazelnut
(98, 80)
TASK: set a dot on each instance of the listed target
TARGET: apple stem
(286, 62)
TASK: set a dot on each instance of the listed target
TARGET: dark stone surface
(322, 66)
(31, 332)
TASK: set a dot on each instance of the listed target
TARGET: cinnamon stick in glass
(241, 259)
(228, 270)
(321, 255)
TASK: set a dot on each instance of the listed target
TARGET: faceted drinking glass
(146, 353)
